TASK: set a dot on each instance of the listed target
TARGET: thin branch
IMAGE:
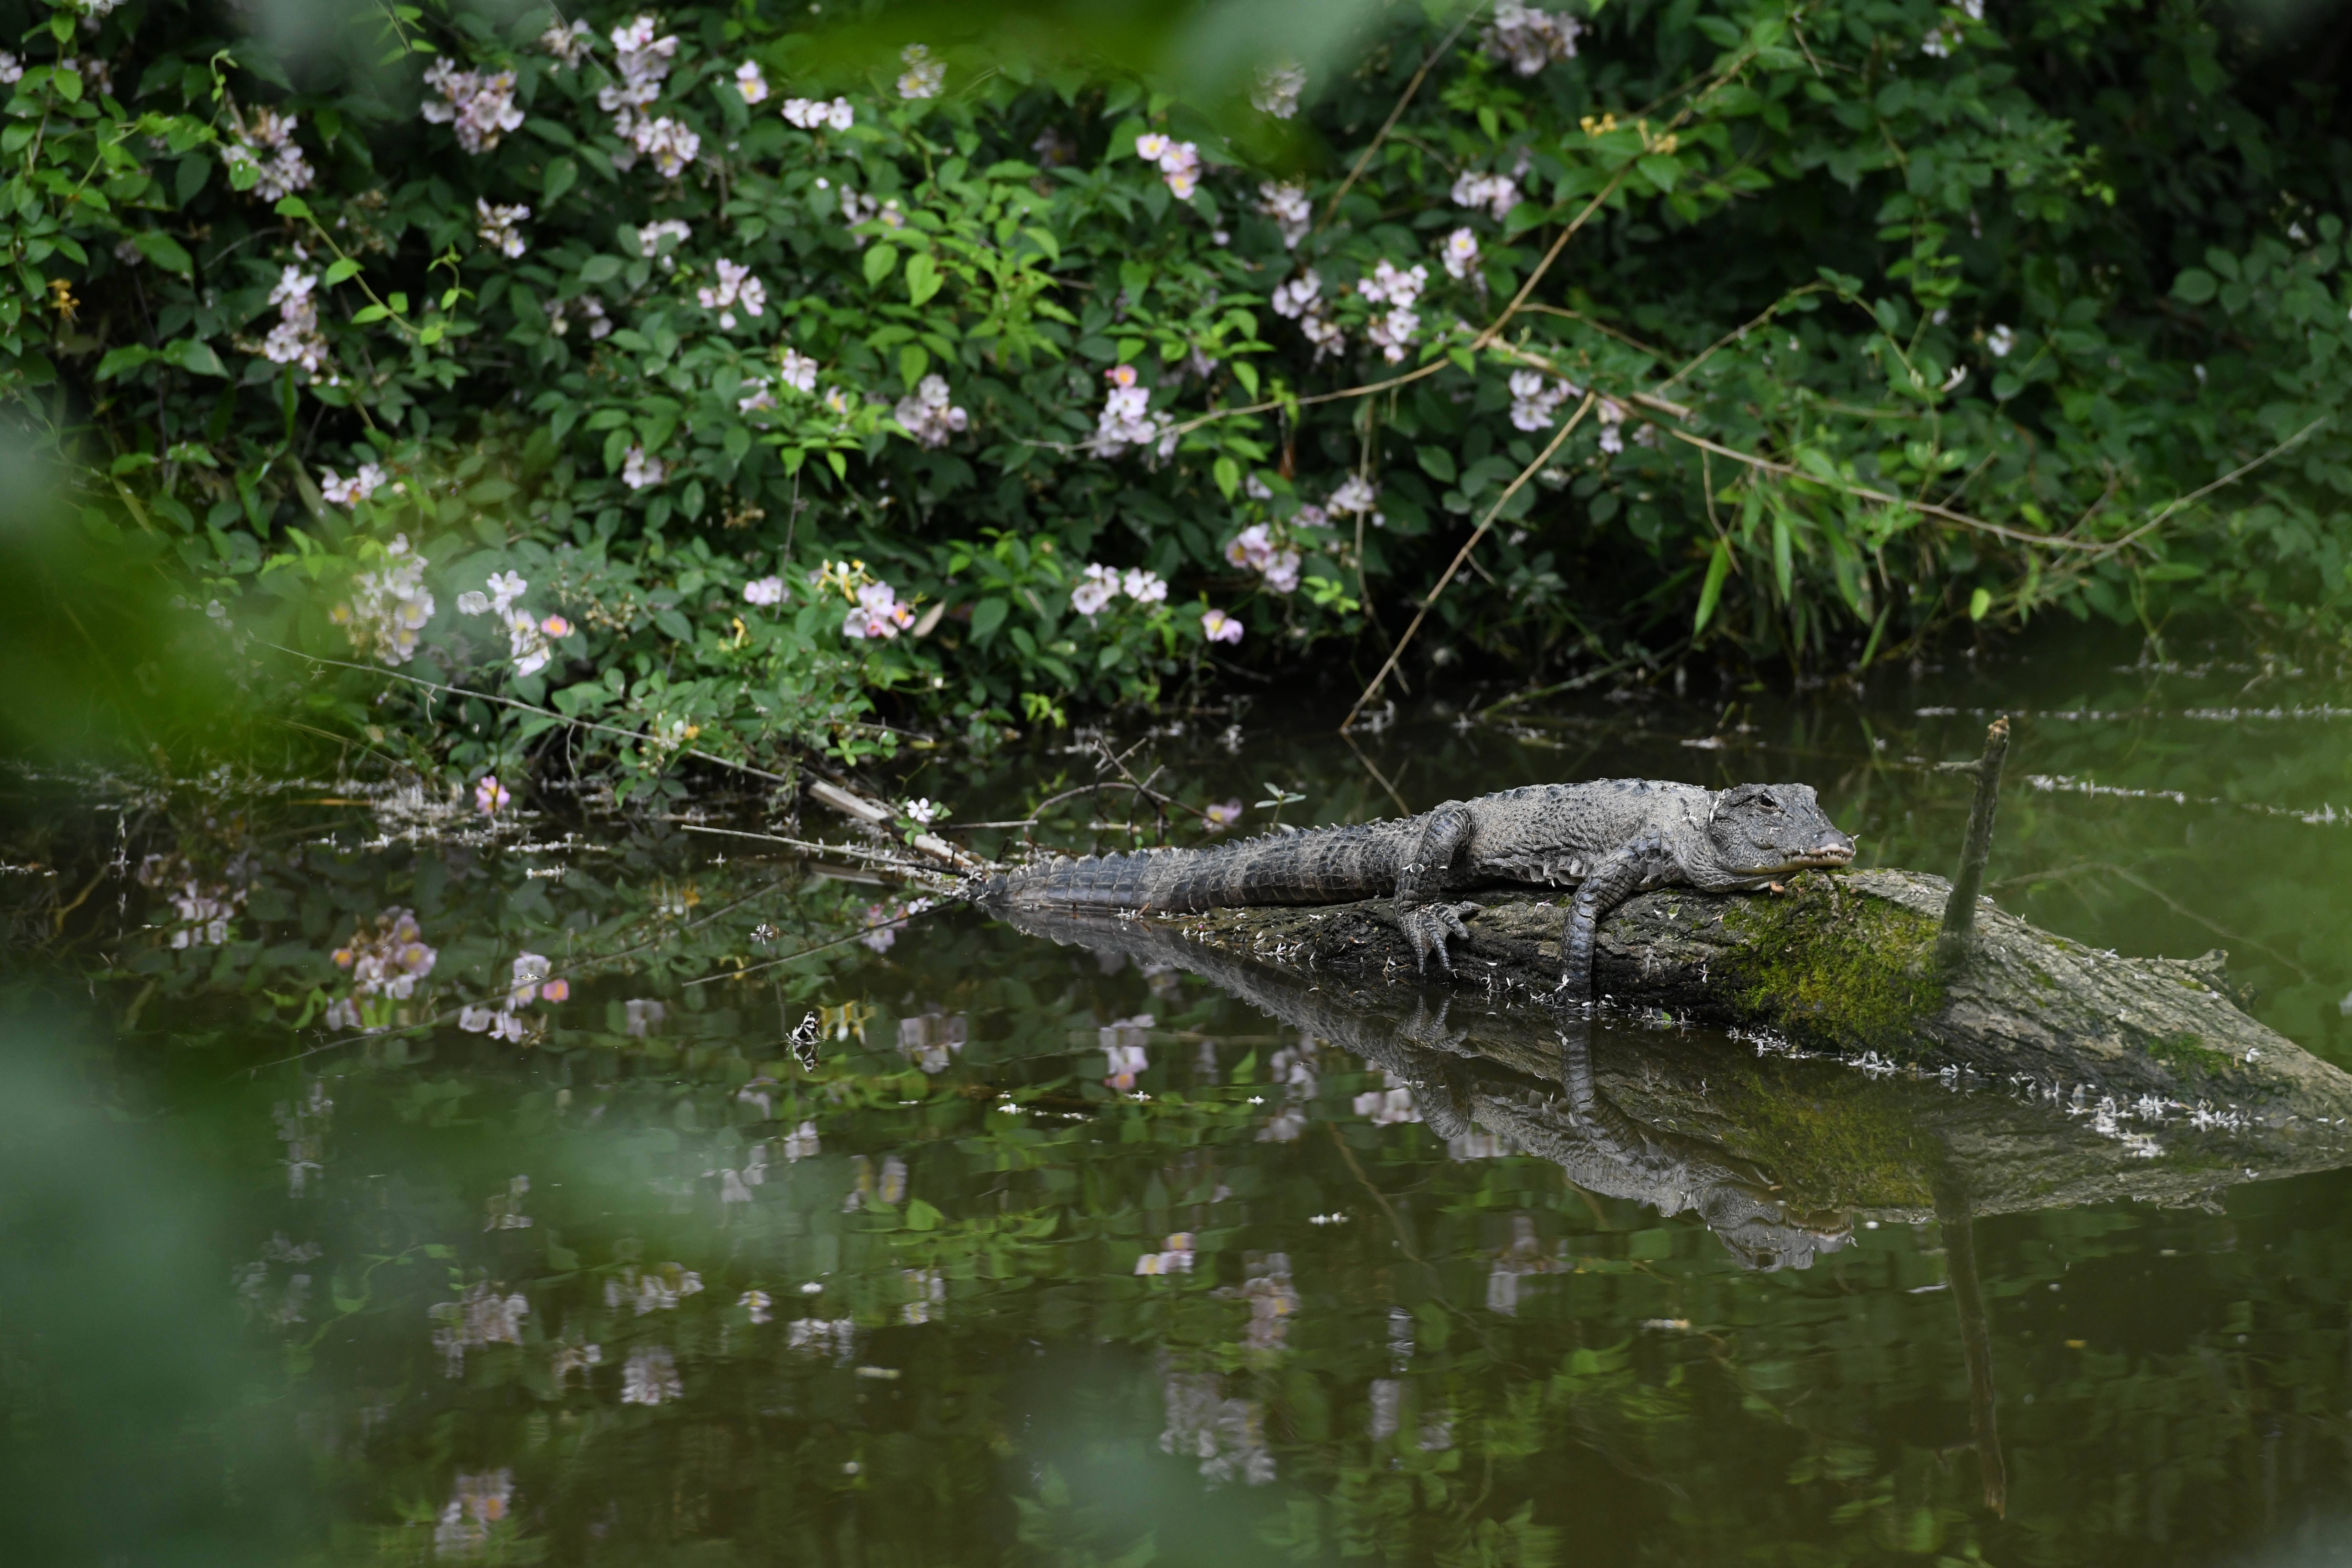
(1468, 545)
(2231, 478)
(1364, 159)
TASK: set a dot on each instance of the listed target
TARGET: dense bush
(806, 383)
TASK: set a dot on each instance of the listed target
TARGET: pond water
(953, 1245)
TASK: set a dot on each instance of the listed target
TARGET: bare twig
(1364, 159)
(1464, 554)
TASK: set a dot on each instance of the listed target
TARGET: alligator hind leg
(1423, 879)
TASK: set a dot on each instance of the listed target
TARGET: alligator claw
(1428, 926)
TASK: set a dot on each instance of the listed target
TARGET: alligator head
(1761, 831)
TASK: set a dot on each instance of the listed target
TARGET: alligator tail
(1327, 866)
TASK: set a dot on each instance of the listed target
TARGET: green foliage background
(1909, 315)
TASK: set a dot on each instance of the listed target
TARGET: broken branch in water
(1960, 910)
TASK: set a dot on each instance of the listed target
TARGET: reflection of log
(1847, 961)
(1695, 1121)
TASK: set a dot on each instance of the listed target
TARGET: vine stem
(1363, 159)
(1463, 554)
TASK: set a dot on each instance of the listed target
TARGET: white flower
(264, 144)
(1094, 590)
(1536, 399)
(1144, 588)
(641, 472)
(569, 44)
(505, 587)
(796, 370)
(295, 340)
(1278, 88)
(480, 107)
(801, 1142)
(1126, 419)
(877, 613)
(1218, 626)
(1295, 298)
(1288, 205)
(1528, 39)
(764, 591)
(389, 606)
(497, 227)
(923, 76)
(1611, 415)
(558, 320)
(2000, 340)
(1353, 496)
(1498, 194)
(736, 286)
(758, 1304)
(925, 811)
(751, 83)
(930, 416)
(1460, 253)
(341, 491)
(650, 237)
(12, 70)
(671, 144)
(816, 113)
(1150, 146)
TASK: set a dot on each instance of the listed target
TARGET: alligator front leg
(1639, 864)
(1423, 879)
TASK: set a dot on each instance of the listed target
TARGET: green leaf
(196, 357)
(879, 262)
(1980, 603)
(1437, 463)
(367, 313)
(1784, 568)
(292, 206)
(600, 268)
(1247, 373)
(1718, 567)
(1660, 170)
(563, 173)
(1228, 475)
(986, 616)
(914, 359)
(2194, 286)
(129, 356)
(165, 251)
(345, 268)
(923, 278)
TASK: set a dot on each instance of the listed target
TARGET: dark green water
(640, 1287)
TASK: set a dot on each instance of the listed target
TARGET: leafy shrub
(1793, 332)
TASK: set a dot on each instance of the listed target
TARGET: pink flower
(1220, 817)
(764, 591)
(1218, 626)
(556, 626)
(490, 795)
(555, 991)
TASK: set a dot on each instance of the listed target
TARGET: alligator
(1608, 839)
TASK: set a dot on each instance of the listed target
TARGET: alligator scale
(1608, 839)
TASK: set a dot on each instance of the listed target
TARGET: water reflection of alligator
(1459, 1089)
(1768, 1149)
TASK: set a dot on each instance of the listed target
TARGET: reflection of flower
(650, 1377)
(1123, 1043)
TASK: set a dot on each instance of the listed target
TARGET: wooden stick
(1960, 910)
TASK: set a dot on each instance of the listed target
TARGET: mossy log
(2041, 1074)
(1846, 962)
